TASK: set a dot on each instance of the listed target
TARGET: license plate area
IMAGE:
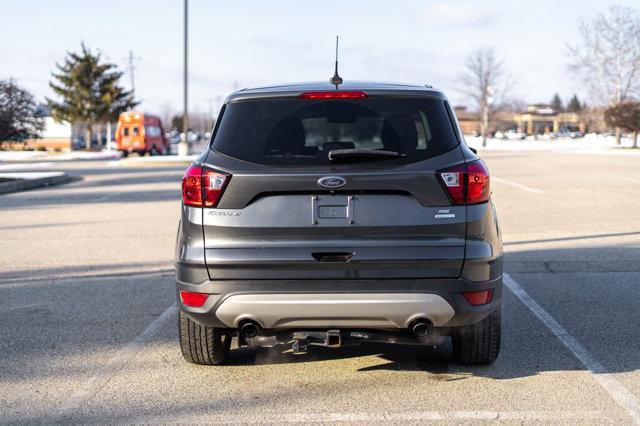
(332, 209)
(332, 212)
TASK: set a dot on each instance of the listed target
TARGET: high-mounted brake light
(334, 94)
(466, 183)
(202, 187)
(195, 300)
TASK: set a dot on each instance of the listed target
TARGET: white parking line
(516, 185)
(607, 380)
(369, 417)
(624, 178)
(48, 280)
(108, 370)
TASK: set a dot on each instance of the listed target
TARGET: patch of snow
(30, 175)
(589, 144)
(73, 155)
(5, 167)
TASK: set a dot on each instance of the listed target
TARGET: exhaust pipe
(420, 328)
(249, 329)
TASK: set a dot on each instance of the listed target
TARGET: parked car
(568, 133)
(330, 216)
(141, 133)
(510, 135)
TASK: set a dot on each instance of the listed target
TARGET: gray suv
(333, 215)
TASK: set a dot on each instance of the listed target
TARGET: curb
(24, 184)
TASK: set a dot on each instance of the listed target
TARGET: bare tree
(607, 58)
(484, 80)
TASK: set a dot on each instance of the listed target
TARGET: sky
(253, 43)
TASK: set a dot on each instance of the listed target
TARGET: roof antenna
(336, 79)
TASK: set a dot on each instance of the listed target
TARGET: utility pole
(183, 147)
(131, 68)
(210, 117)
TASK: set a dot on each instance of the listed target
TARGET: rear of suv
(332, 215)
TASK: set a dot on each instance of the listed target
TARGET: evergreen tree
(575, 105)
(20, 117)
(556, 103)
(625, 115)
(89, 91)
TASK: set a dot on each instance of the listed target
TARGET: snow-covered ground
(30, 175)
(155, 159)
(7, 156)
(44, 155)
(589, 144)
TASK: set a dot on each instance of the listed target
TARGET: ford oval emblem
(332, 182)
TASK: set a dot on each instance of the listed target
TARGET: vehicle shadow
(282, 354)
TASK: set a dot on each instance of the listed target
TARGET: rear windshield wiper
(361, 154)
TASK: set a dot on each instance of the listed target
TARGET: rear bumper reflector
(476, 298)
(194, 300)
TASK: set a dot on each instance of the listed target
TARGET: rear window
(303, 132)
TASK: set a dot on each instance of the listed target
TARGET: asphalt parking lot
(88, 322)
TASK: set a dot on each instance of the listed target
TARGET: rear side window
(303, 132)
(125, 131)
(152, 131)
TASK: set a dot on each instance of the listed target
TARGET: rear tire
(478, 344)
(200, 344)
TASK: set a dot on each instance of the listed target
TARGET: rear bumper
(374, 304)
(355, 310)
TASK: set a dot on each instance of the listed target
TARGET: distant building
(542, 119)
(469, 122)
(538, 119)
(55, 136)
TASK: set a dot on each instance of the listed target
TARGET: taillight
(195, 300)
(202, 187)
(334, 94)
(466, 183)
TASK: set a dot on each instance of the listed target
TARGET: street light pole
(183, 147)
(488, 101)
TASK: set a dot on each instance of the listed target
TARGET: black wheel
(478, 344)
(201, 344)
(125, 154)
